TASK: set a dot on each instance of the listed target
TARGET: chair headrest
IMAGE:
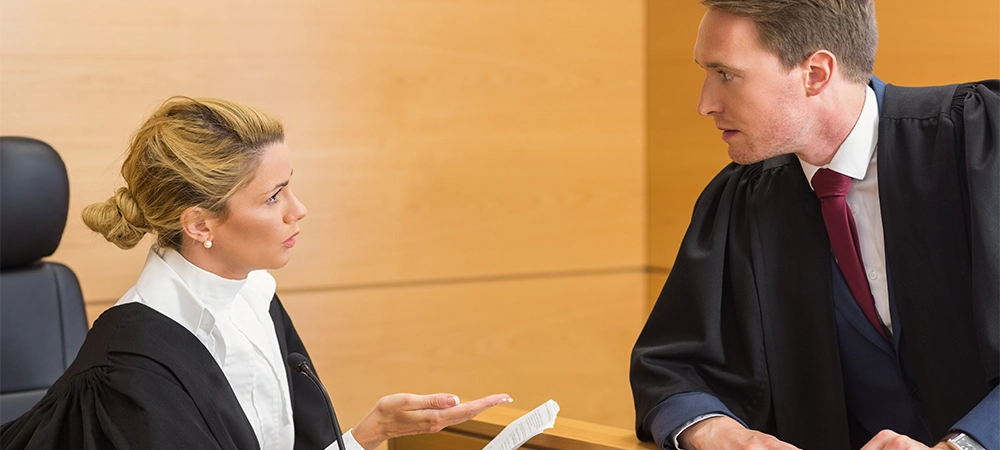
(34, 200)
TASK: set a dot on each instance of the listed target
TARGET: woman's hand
(405, 414)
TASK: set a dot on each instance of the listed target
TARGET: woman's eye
(274, 198)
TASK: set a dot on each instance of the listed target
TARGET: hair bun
(119, 219)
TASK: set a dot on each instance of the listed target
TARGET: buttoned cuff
(678, 412)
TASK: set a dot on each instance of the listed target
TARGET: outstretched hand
(405, 414)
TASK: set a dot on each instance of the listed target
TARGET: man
(861, 315)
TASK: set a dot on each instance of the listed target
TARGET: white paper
(525, 427)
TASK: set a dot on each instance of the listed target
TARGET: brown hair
(795, 29)
(190, 152)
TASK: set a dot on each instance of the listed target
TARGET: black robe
(143, 381)
(747, 313)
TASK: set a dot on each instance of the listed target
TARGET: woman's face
(260, 230)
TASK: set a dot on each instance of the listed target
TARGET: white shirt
(231, 318)
(857, 159)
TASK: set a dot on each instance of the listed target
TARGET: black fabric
(33, 183)
(143, 381)
(313, 427)
(747, 312)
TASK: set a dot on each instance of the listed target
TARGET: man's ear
(817, 71)
(197, 224)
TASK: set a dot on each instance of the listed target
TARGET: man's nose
(708, 102)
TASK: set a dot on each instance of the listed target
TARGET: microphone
(301, 365)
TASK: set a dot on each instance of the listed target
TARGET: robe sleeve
(980, 128)
(698, 338)
(977, 114)
(133, 405)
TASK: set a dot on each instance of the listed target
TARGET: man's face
(755, 101)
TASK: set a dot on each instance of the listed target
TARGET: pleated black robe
(747, 313)
(142, 381)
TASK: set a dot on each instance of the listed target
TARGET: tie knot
(828, 183)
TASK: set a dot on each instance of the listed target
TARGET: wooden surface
(567, 434)
(433, 140)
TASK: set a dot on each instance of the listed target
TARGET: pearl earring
(207, 244)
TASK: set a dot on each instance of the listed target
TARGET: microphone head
(298, 362)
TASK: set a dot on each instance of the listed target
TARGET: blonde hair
(190, 152)
(795, 29)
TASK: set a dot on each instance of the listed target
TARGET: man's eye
(726, 76)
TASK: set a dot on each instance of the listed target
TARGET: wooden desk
(568, 434)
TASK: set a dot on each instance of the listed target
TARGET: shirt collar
(215, 292)
(855, 154)
(193, 297)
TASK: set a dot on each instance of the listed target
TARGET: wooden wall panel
(432, 139)
(921, 43)
(565, 338)
(473, 171)
(927, 42)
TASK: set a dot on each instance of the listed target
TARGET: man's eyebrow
(717, 65)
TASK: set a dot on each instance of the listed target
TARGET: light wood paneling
(927, 42)
(432, 139)
(568, 339)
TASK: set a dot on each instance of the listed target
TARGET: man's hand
(890, 440)
(405, 414)
(725, 433)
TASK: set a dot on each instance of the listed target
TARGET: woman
(193, 356)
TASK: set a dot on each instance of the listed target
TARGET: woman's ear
(197, 224)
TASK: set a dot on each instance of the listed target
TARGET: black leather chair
(42, 317)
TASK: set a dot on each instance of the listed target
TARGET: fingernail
(509, 400)
(453, 401)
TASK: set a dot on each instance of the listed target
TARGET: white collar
(215, 292)
(193, 297)
(855, 154)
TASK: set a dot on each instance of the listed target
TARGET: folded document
(525, 427)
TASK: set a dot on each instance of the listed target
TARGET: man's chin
(746, 157)
(742, 157)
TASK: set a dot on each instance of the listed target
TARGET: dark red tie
(831, 188)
